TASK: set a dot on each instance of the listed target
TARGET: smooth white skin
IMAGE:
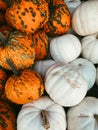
(29, 117)
(90, 48)
(87, 70)
(81, 116)
(41, 66)
(85, 18)
(65, 48)
(65, 85)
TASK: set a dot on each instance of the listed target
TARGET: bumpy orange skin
(28, 15)
(24, 88)
(19, 49)
(41, 43)
(59, 20)
(7, 117)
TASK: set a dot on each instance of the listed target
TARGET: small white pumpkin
(84, 116)
(85, 18)
(65, 48)
(41, 66)
(87, 70)
(65, 85)
(72, 5)
(42, 114)
(90, 47)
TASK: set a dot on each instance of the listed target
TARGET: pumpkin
(40, 40)
(72, 5)
(41, 66)
(83, 116)
(7, 117)
(3, 78)
(65, 48)
(19, 49)
(59, 18)
(87, 69)
(27, 16)
(23, 87)
(90, 47)
(65, 85)
(43, 114)
(85, 18)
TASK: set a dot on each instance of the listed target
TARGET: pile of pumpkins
(48, 64)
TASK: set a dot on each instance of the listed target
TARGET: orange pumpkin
(40, 40)
(7, 117)
(59, 18)
(3, 77)
(19, 49)
(23, 87)
(28, 15)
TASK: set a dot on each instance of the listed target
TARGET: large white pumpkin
(90, 47)
(65, 48)
(85, 18)
(42, 114)
(84, 116)
(87, 70)
(65, 85)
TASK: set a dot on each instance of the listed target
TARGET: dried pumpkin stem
(3, 40)
(15, 71)
(44, 115)
(97, 36)
(96, 117)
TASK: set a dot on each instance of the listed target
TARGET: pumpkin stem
(97, 36)
(44, 115)
(15, 71)
(96, 117)
(3, 40)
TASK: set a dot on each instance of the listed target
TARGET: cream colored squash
(90, 47)
(41, 66)
(72, 5)
(42, 114)
(84, 116)
(85, 18)
(65, 48)
(87, 69)
(65, 85)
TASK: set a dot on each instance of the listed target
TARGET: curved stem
(15, 71)
(44, 115)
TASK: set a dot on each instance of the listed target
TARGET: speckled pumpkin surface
(41, 42)
(24, 88)
(28, 15)
(7, 117)
(59, 18)
(19, 49)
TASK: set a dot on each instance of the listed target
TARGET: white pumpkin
(41, 66)
(87, 69)
(90, 47)
(84, 116)
(42, 114)
(65, 48)
(85, 18)
(65, 85)
(72, 5)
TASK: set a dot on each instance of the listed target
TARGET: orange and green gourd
(41, 43)
(18, 48)
(7, 117)
(59, 18)
(23, 86)
(28, 15)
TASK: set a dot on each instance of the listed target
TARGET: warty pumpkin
(59, 18)
(7, 117)
(23, 87)
(19, 48)
(41, 42)
(27, 15)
